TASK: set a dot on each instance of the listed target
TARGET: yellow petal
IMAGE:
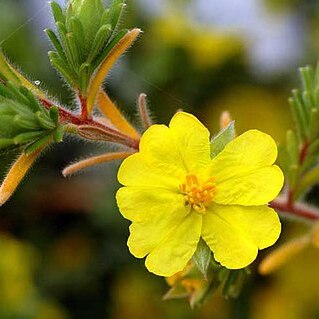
(157, 164)
(144, 204)
(243, 171)
(235, 233)
(192, 140)
(258, 187)
(173, 254)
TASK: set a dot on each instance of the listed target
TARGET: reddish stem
(300, 210)
(303, 152)
(69, 117)
(84, 112)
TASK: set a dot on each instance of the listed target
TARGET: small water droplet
(37, 82)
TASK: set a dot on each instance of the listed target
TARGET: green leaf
(27, 137)
(5, 142)
(6, 71)
(307, 181)
(99, 42)
(307, 78)
(26, 123)
(219, 142)
(203, 258)
(46, 139)
(234, 283)
(58, 134)
(56, 43)
(57, 12)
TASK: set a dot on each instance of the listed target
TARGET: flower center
(198, 195)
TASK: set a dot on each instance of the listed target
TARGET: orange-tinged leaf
(107, 64)
(110, 110)
(16, 174)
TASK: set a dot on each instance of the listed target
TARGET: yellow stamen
(112, 113)
(16, 174)
(198, 195)
(107, 64)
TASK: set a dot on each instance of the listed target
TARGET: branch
(296, 209)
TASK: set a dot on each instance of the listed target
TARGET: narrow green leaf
(75, 51)
(62, 68)
(307, 77)
(5, 92)
(58, 134)
(307, 181)
(5, 142)
(26, 123)
(57, 12)
(79, 36)
(219, 142)
(115, 13)
(108, 48)
(44, 121)
(99, 42)
(203, 258)
(234, 283)
(18, 96)
(84, 76)
(299, 119)
(292, 147)
(24, 138)
(56, 43)
(54, 114)
(65, 44)
(314, 123)
(46, 139)
(6, 71)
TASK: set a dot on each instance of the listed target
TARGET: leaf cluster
(298, 157)
(86, 32)
(24, 121)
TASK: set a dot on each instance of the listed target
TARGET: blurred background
(63, 242)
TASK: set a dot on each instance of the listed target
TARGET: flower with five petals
(175, 193)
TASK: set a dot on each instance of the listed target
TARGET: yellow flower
(175, 194)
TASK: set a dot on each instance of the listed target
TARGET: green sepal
(202, 258)
(225, 136)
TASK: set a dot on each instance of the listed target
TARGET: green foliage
(299, 155)
(86, 33)
(24, 121)
(230, 281)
